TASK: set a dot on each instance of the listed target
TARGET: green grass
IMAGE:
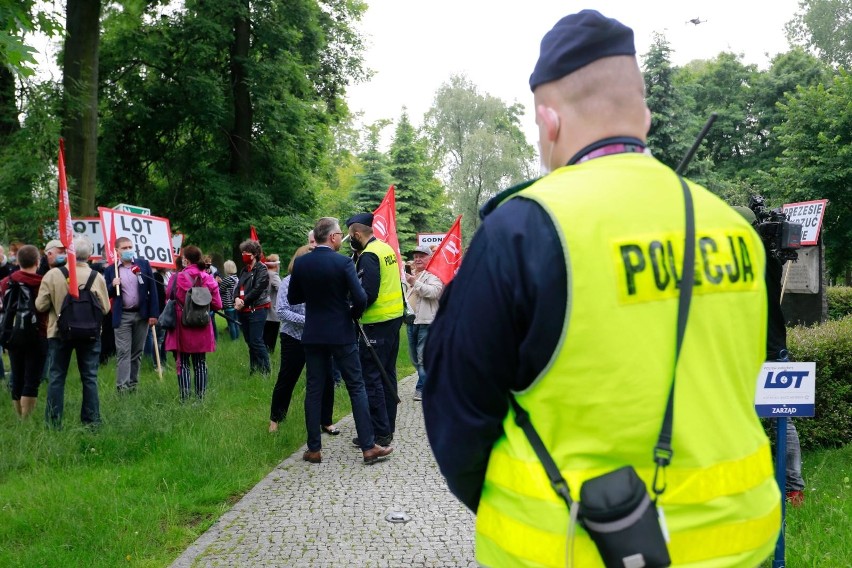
(157, 474)
(818, 533)
(154, 477)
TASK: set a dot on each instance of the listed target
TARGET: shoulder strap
(522, 419)
(663, 450)
(92, 276)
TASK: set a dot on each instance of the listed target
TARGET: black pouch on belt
(618, 514)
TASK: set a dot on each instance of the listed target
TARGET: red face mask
(247, 258)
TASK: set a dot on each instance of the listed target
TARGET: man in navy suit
(133, 294)
(326, 283)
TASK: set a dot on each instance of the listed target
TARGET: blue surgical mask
(60, 260)
(127, 255)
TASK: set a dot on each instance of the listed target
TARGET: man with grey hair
(51, 298)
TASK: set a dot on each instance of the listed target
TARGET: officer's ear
(548, 120)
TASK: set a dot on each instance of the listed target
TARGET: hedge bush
(839, 301)
(830, 346)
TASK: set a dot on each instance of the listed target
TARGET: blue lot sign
(786, 390)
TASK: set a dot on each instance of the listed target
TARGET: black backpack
(196, 307)
(19, 323)
(81, 317)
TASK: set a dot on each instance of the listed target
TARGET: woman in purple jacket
(192, 343)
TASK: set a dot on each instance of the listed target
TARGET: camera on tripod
(780, 236)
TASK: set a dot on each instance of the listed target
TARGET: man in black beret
(568, 303)
(377, 268)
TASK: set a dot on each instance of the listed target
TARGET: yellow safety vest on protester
(388, 304)
(599, 403)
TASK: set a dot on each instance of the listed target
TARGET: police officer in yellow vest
(380, 276)
(568, 300)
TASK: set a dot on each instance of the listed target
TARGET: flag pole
(156, 350)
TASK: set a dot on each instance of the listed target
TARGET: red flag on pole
(253, 236)
(446, 259)
(66, 232)
(109, 245)
(384, 224)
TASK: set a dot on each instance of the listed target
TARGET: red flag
(66, 232)
(253, 236)
(446, 259)
(109, 245)
(384, 224)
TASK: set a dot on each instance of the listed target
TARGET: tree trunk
(8, 106)
(80, 86)
(241, 134)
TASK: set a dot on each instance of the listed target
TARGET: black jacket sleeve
(497, 327)
(370, 275)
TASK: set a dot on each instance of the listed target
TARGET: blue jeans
(253, 324)
(88, 355)
(794, 459)
(318, 359)
(417, 333)
(233, 324)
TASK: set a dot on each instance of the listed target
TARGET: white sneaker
(418, 395)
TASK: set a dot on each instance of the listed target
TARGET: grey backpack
(196, 307)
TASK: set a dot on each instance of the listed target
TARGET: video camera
(780, 236)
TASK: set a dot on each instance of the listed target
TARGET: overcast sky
(414, 47)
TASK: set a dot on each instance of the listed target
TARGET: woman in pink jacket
(191, 343)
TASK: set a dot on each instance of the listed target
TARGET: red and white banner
(810, 215)
(66, 231)
(446, 260)
(384, 225)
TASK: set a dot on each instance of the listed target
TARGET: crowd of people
(124, 301)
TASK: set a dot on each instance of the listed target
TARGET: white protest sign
(177, 243)
(85, 227)
(152, 236)
(809, 214)
(430, 240)
(786, 389)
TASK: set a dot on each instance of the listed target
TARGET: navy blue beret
(362, 218)
(576, 41)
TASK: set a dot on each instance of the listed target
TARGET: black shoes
(380, 440)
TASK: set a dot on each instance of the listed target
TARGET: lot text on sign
(84, 226)
(786, 389)
(810, 215)
(152, 236)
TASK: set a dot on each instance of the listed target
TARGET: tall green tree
(817, 159)
(17, 19)
(671, 121)
(480, 144)
(219, 134)
(28, 190)
(795, 68)
(80, 110)
(372, 183)
(419, 195)
(826, 26)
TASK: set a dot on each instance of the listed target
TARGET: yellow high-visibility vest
(388, 304)
(599, 403)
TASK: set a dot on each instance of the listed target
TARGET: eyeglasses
(341, 234)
